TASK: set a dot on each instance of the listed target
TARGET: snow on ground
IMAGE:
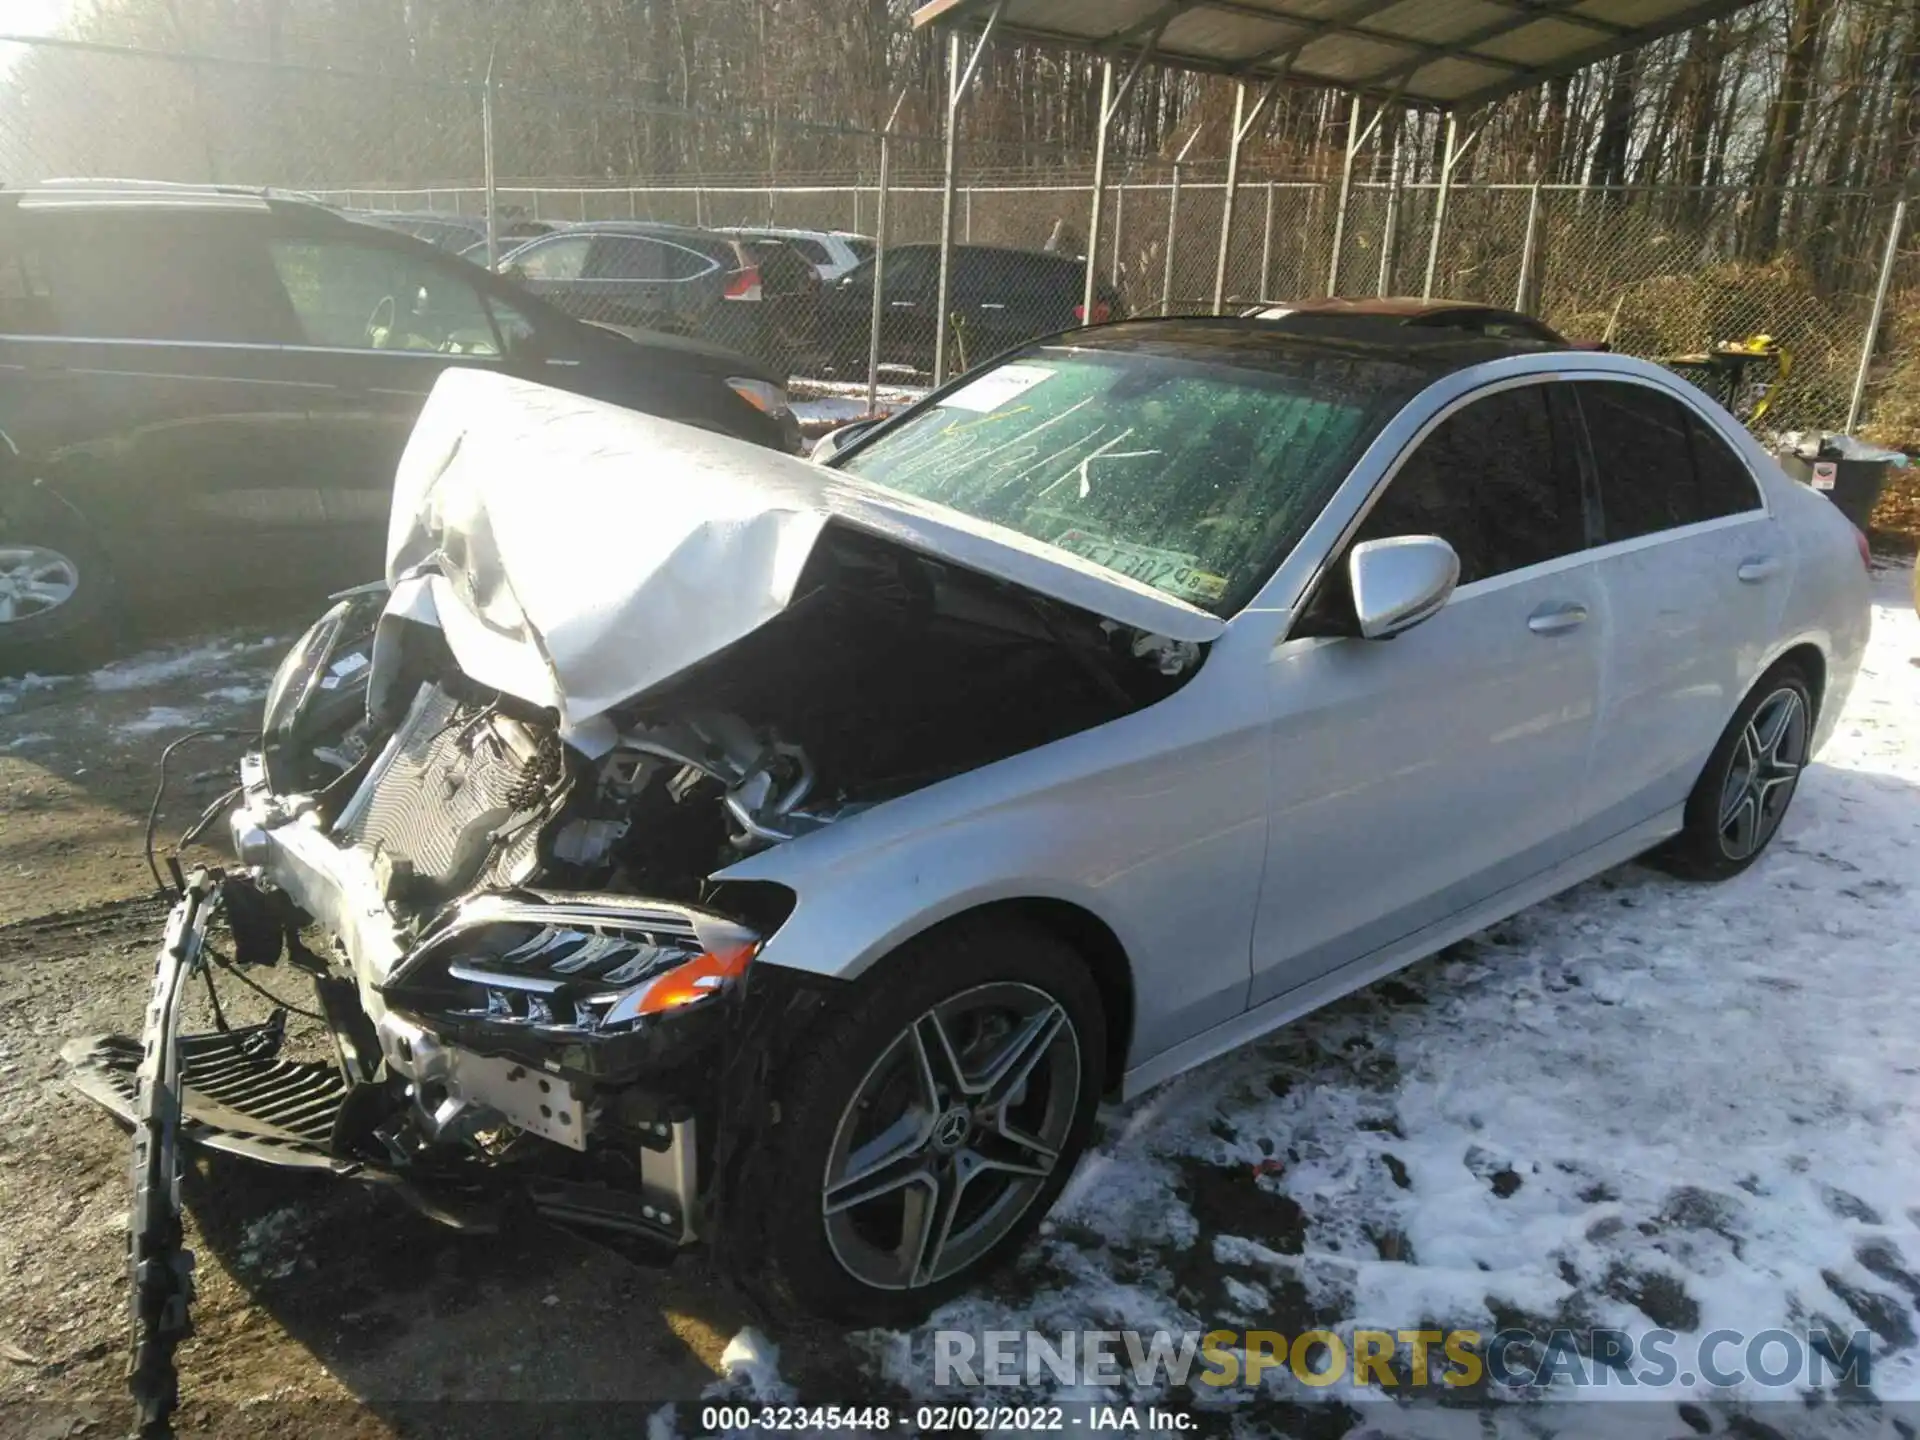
(155, 667)
(1643, 1104)
(828, 403)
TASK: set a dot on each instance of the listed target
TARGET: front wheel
(56, 600)
(930, 1126)
(1742, 796)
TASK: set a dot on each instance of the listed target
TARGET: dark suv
(753, 294)
(207, 390)
(997, 298)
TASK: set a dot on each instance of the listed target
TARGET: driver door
(379, 321)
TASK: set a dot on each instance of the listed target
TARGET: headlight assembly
(569, 969)
(764, 396)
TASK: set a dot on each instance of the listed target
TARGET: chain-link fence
(766, 235)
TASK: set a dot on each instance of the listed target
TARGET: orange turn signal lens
(704, 975)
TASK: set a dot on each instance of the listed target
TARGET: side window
(561, 258)
(811, 251)
(1494, 481)
(158, 277)
(1658, 466)
(1726, 485)
(354, 296)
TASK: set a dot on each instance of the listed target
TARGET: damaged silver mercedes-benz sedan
(700, 844)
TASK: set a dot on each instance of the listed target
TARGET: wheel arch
(1079, 928)
(1812, 662)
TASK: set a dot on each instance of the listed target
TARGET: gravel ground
(1524, 1125)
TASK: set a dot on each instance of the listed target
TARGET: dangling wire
(160, 789)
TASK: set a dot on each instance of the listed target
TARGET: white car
(721, 847)
(832, 253)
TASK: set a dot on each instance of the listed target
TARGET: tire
(1002, 995)
(1742, 795)
(38, 629)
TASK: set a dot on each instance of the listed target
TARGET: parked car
(795, 856)
(832, 253)
(998, 298)
(462, 234)
(205, 389)
(1332, 315)
(758, 296)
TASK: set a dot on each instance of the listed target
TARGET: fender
(1155, 824)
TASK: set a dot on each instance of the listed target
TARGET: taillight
(744, 284)
(1866, 549)
(1101, 310)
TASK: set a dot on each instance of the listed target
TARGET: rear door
(1415, 777)
(1694, 570)
(148, 384)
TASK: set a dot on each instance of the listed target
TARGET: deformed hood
(585, 553)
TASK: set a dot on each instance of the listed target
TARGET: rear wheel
(1742, 796)
(931, 1126)
(56, 599)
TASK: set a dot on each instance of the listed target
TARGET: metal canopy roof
(1446, 53)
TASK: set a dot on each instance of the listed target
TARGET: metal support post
(1888, 258)
(880, 259)
(1523, 290)
(1173, 222)
(1110, 102)
(1452, 154)
(958, 80)
(1243, 121)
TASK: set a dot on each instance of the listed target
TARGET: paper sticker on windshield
(1167, 570)
(993, 390)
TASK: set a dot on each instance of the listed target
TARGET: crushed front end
(511, 1022)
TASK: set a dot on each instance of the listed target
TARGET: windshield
(1181, 465)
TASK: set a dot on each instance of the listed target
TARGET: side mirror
(834, 441)
(1397, 583)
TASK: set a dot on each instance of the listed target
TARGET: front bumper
(432, 1087)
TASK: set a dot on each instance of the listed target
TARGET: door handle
(903, 304)
(1757, 568)
(1553, 619)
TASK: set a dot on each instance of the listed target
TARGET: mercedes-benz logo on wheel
(950, 1131)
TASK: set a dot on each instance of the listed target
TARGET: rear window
(1164, 462)
(644, 257)
(1659, 467)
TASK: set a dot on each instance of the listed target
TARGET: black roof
(1244, 340)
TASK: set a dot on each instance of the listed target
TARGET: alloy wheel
(34, 580)
(951, 1135)
(1762, 772)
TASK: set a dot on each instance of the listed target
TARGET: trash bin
(1854, 485)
